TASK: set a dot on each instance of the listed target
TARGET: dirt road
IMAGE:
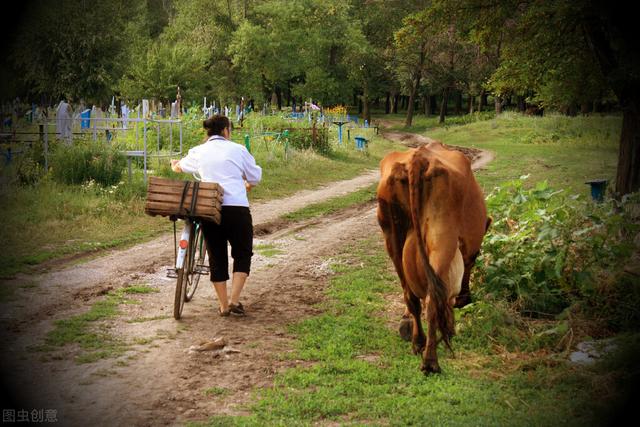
(157, 379)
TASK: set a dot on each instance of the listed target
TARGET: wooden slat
(178, 191)
(165, 182)
(171, 207)
(163, 209)
(175, 200)
(205, 198)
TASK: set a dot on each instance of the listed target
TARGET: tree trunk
(483, 100)
(427, 104)
(522, 105)
(394, 104)
(443, 107)
(279, 97)
(366, 115)
(628, 174)
(458, 103)
(411, 103)
(387, 105)
(470, 103)
(433, 101)
(497, 101)
(584, 108)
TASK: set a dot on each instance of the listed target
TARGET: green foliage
(158, 71)
(545, 251)
(29, 171)
(88, 161)
(74, 48)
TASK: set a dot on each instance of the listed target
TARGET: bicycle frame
(184, 243)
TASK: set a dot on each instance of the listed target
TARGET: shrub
(88, 161)
(302, 139)
(29, 171)
(546, 251)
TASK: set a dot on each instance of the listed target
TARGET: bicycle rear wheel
(196, 264)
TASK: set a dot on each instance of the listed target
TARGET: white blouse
(227, 163)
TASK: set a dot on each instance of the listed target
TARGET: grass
(362, 373)
(216, 391)
(87, 331)
(49, 220)
(565, 151)
(334, 204)
(268, 250)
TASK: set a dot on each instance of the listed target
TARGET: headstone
(145, 108)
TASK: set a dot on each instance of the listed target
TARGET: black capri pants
(236, 227)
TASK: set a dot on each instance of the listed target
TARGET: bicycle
(190, 255)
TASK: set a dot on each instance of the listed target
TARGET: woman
(234, 168)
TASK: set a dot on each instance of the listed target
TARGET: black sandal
(237, 310)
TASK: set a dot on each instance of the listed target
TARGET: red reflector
(183, 244)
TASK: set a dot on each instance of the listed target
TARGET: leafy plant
(546, 251)
(87, 161)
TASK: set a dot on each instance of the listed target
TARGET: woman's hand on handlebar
(248, 186)
(175, 165)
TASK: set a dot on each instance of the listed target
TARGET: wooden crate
(163, 198)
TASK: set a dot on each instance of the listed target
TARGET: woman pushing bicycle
(232, 166)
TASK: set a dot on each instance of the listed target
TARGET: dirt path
(157, 380)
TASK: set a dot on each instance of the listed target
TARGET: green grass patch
(268, 250)
(217, 391)
(334, 204)
(52, 220)
(147, 319)
(139, 289)
(362, 373)
(565, 151)
(87, 330)
(421, 123)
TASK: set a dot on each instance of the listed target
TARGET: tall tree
(566, 52)
(611, 32)
(74, 48)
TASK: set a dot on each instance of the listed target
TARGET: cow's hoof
(406, 328)
(418, 346)
(462, 300)
(430, 367)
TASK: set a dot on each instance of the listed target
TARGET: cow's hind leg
(430, 355)
(418, 338)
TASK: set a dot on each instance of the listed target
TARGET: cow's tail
(439, 306)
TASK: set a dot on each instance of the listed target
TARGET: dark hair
(216, 124)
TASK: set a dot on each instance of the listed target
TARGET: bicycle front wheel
(196, 263)
(181, 281)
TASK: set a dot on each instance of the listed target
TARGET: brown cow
(433, 216)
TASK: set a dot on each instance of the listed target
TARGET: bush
(29, 171)
(546, 251)
(88, 161)
(302, 139)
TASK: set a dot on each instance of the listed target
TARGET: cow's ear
(489, 221)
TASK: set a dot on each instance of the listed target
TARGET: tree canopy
(563, 55)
